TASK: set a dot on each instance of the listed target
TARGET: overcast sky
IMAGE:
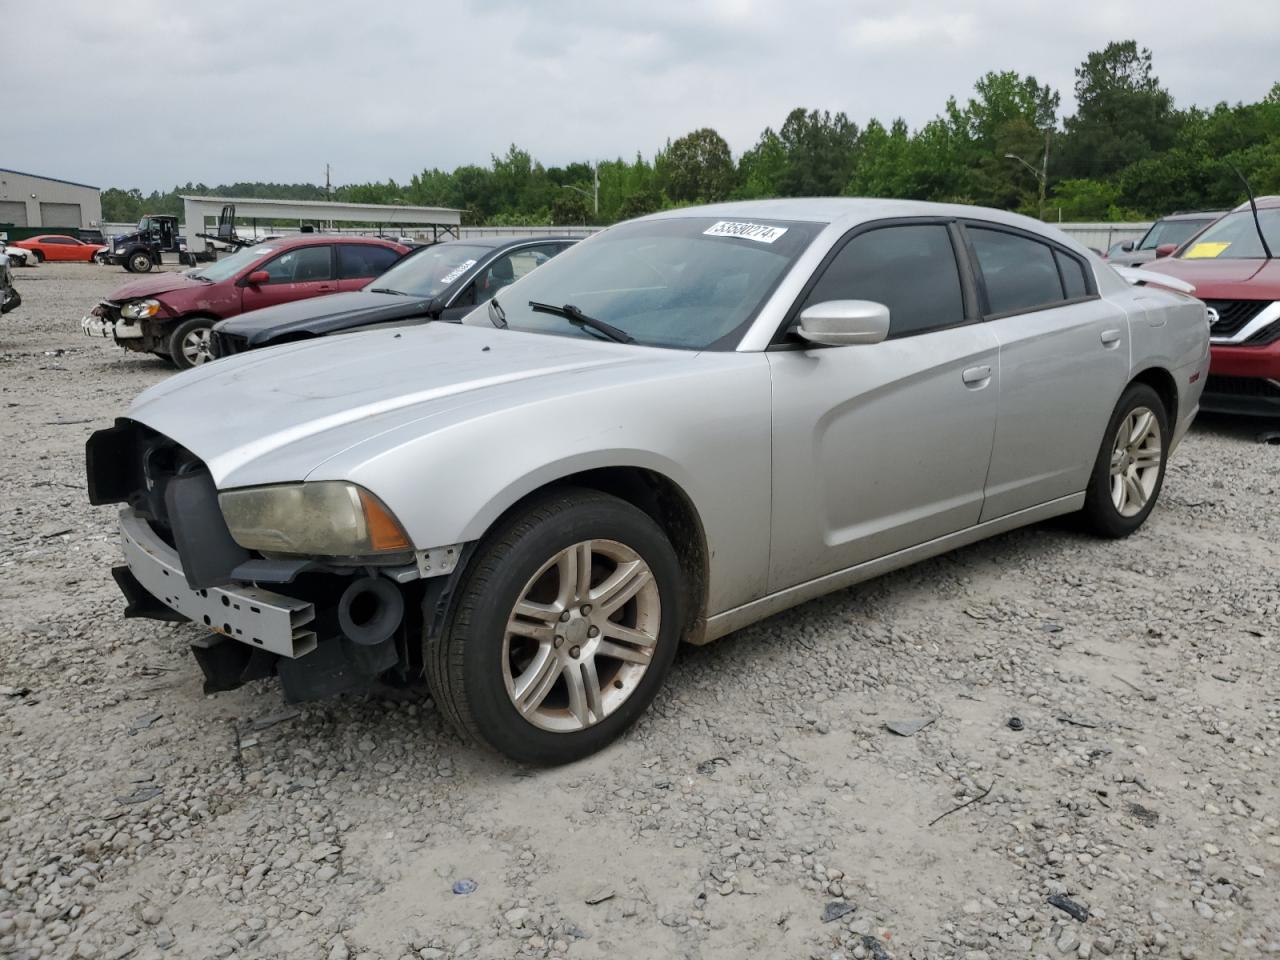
(153, 94)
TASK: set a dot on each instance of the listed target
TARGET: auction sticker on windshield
(457, 271)
(760, 232)
(1205, 251)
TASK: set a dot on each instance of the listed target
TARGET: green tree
(821, 152)
(1122, 113)
(697, 168)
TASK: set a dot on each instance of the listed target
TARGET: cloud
(151, 93)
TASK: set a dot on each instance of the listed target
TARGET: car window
(1172, 231)
(56, 240)
(301, 265)
(1235, 237)
(1020, 273)
(911, 269)
(1073, 279)
(364, 260)
(690, 282)
(509, 268)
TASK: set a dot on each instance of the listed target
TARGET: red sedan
(172, 314)
(55, 246)
(1238, 276)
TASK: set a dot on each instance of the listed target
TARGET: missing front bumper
(255, 617)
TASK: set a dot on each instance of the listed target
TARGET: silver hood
(274, 415)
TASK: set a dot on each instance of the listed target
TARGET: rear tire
(37, 256)
(520, 631)
(139, 262)
(1129, 472)
(190, 344)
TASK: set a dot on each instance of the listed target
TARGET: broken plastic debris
(908, 728)
(836, 909)
(1067, 905)
(464, 887)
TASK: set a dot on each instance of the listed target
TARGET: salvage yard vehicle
(444, 281)
(141, 250)
(1162, 237)
(57, 248)
(9, 298)
(678, 427)
(16, 256)
(1233, 268)
(172, 314)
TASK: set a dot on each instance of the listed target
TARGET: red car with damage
(1230, 268)
(172, 314)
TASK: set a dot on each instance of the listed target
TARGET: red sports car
(1238, 276)
(56, 246)
(172, 314)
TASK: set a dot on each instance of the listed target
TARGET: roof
(303, 239)
(845, 212)
(41, 176)
(497, 243)
(1194, 214)
(1264, 203)
(266, 207)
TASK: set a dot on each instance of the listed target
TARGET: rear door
(295, 274)
(879, 447)
(1064, 359)
(358, 263)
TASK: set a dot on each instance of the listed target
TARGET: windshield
(227, 267)
(1172, 231)
(144, 224)
(428, 272)
(689, 282)
(1235, 237)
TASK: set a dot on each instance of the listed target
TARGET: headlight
(140, 309)
(328, 518)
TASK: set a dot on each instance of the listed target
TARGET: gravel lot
(761, 809)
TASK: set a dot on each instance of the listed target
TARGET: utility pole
(1041, 175)
(326, 181)
(594, 193)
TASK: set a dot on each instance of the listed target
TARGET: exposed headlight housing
(328, 518)
(140, 309)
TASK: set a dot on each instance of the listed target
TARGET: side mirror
(1127, 246)
(1166, 249)
(257, 278)
(838, 322)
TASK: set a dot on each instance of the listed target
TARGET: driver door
(879, 447)
(295, 274)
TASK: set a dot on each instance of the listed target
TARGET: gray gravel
(761, 808)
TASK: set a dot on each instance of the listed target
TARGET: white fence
(1100, 236)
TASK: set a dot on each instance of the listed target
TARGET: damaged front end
(323, 625)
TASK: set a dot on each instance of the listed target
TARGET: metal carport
(440, 220)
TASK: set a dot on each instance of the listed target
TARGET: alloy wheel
(197, 346)
(1136, 456)
(581, 635)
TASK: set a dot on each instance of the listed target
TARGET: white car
(17, 256)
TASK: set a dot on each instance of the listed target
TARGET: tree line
(1127, 153)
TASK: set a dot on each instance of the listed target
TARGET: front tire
(190, 344)
(564, 628)
(139, 262)
(1129, 472)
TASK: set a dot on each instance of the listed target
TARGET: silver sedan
(680, 426)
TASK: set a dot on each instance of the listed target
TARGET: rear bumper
(252, 616)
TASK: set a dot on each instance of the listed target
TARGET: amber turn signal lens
(385, 532)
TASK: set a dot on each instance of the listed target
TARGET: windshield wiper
(496, 316)
(398, 293)
(578, 318)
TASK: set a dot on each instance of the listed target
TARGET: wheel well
(1162, 382)
(670, 507)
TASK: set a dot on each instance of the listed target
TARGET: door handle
(976, 376)
(1110, 338)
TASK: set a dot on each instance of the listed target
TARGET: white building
(28, 200)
